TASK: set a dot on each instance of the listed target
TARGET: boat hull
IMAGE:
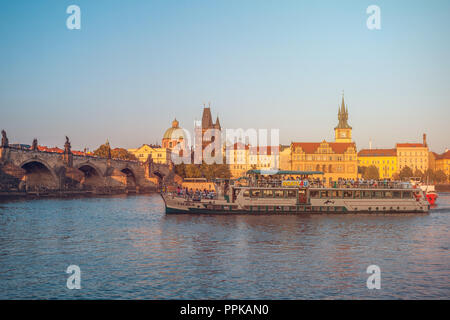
(299, 210)
(298, 205)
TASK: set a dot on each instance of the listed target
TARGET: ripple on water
(127, 248)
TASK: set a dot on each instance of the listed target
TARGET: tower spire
(343, 103)
(343, 114)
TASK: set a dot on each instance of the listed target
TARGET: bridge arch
(131, 177)
(159, 175)
(90, 169)
(93, 176)
(39, 175)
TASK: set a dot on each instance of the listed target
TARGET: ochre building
(336, 159)
(158, 154)
(413, 155)
(384, 159)
(443, 163)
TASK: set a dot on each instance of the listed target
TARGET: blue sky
(135, 65)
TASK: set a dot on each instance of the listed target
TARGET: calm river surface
(126, 247)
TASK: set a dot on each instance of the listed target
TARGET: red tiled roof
(377, 153)
(58, 150)
(311, 147)
(47, 149)
(445, 155)
(409, 145)
(308, 147)
(79, 153)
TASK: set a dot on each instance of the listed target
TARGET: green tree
(440, 176)
(429, 176)
(208, 171)
(192, 171)
(222, 171)
(396, 176)
(120, 153)
(371, 172)
(180, 169)
(406, 173)
(362, 170)
(117, 153)
(418, 174)
(102, 151)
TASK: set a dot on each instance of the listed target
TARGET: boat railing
(334, 185)
(194, 196)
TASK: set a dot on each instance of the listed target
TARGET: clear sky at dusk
(136, 65)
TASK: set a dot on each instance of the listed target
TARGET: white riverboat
(298, 196)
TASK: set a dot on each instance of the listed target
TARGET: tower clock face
(343, 134)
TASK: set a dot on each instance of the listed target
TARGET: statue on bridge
(5, 142)
(67, 146)
(68, 156)
(34, 146)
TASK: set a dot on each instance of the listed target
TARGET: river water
(127, 248)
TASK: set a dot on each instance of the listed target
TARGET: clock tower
(343, 132)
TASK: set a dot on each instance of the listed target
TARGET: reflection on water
(128, 248)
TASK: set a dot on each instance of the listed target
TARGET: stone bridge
(33, 171)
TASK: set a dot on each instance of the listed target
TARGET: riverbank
(442, 187)
(72, 194)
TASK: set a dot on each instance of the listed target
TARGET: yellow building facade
(413, 155)
(238, 160)
(264, 158)
(285, 158)
(443, 163)
(158, 154)
(336, 159)
(384, 159)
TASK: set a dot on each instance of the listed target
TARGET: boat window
(279, 193)
(397, 194)
(388, 194)
(314, 194)
(324, 194)
(365, 194)
(336, 194)
(246, 193)
(256, 193)
(377, 194)
(348, 194)
(291, 193)
(268, 193)
(407, 194)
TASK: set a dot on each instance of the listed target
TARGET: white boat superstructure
(298, 196)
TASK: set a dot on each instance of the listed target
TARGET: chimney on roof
(425, 140)
(370, 144)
